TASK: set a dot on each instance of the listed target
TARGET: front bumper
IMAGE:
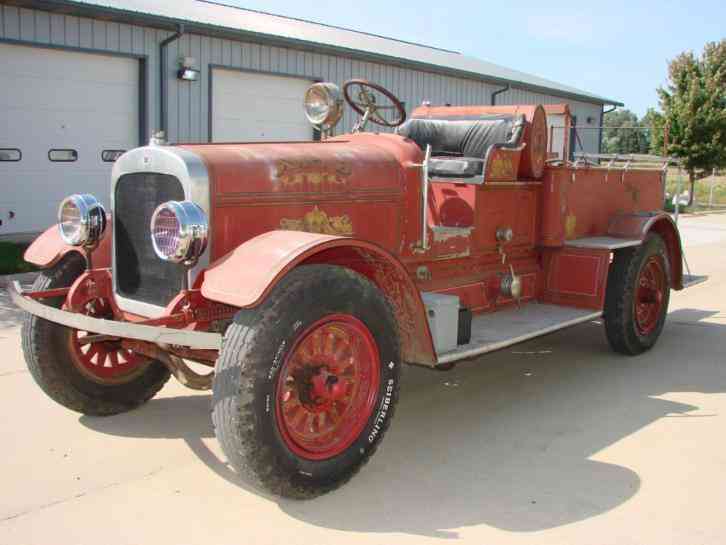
(159, 335)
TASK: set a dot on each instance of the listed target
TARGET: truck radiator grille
(140, 274)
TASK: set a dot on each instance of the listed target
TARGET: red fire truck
(304, 274)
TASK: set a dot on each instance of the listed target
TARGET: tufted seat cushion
(456, 167)
(468, 140)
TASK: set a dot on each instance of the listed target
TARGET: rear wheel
(306, 384)
(94, 378)
(637, 296)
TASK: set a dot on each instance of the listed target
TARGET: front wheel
(93, 378)
(306, 384)
(636, 301)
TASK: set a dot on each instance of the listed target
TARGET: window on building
(110, 155)
(10, 155)
(63, 155)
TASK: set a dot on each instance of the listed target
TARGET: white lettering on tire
(276, 361)
(382, 412)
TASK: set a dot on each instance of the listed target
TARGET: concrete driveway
(554, 441)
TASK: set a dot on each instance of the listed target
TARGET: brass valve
(512, 285)
(504, 235)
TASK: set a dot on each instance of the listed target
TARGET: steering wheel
(364, 96)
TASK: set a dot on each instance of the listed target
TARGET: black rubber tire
(245, 381)
(45, 345)
(620, 326)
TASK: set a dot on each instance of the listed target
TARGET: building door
(66, 117)
(249, 106)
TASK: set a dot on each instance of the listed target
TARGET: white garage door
(248, 106)
(556, 131)
(64, 114)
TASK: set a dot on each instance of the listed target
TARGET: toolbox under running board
(497, 330)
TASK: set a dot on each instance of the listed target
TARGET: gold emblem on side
(295, 173)
(570, 224)
(317, 221)
(502, 168)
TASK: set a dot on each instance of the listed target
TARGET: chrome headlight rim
(332, 100)
(191, 236)
(91, 221)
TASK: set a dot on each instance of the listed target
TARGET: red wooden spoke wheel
(105, 361)
(649, 295)
(327, 387)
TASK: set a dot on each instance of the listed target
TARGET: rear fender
(639, 225)
(245, 276)
(49, 248)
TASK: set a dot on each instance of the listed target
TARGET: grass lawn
(11, 259)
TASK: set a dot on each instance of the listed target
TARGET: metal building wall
(66, 31)
(588, 133)
(188, 102)
(411, 86)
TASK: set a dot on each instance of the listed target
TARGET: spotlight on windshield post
(323, 106)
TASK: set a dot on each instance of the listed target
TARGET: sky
(615, 49)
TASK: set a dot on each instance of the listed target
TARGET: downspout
(499, 92)
(163, 106)
(602, 122)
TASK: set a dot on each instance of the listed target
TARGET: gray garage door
(248, 106)
(66, 115)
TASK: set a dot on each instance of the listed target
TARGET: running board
(690, 280)
(497, 330)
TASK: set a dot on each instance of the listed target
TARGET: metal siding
(224, 20)
(582, 110)
(189, 102)
(27, 24)
(57, 28)
(42, 27)
(72, 35)
(11, 22)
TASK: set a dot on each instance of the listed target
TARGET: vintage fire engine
(305, 274)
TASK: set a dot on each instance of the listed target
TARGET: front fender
(639, 225)
(49, 248)
(245, 276)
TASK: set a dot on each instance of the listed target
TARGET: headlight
(81, 220)
(323, 105)
(179, 231)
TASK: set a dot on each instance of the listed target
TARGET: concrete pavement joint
(18, 372)
(45, 506)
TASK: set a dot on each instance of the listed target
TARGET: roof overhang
(171, 24)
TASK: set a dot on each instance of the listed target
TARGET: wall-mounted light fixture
(187, 72)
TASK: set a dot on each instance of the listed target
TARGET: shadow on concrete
(10, 315)
(509, 440)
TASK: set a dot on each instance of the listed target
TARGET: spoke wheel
(637, 296)
(94, 378)
(105, 361)
(364, 96)
(649, 295)
(306, 384)
(327, 387)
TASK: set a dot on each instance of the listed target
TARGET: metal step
(690, 280)
(603, 243)
(496, 330)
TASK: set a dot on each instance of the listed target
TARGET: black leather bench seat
(462, 143)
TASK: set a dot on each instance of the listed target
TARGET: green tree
(623, 133)
(693, 105)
